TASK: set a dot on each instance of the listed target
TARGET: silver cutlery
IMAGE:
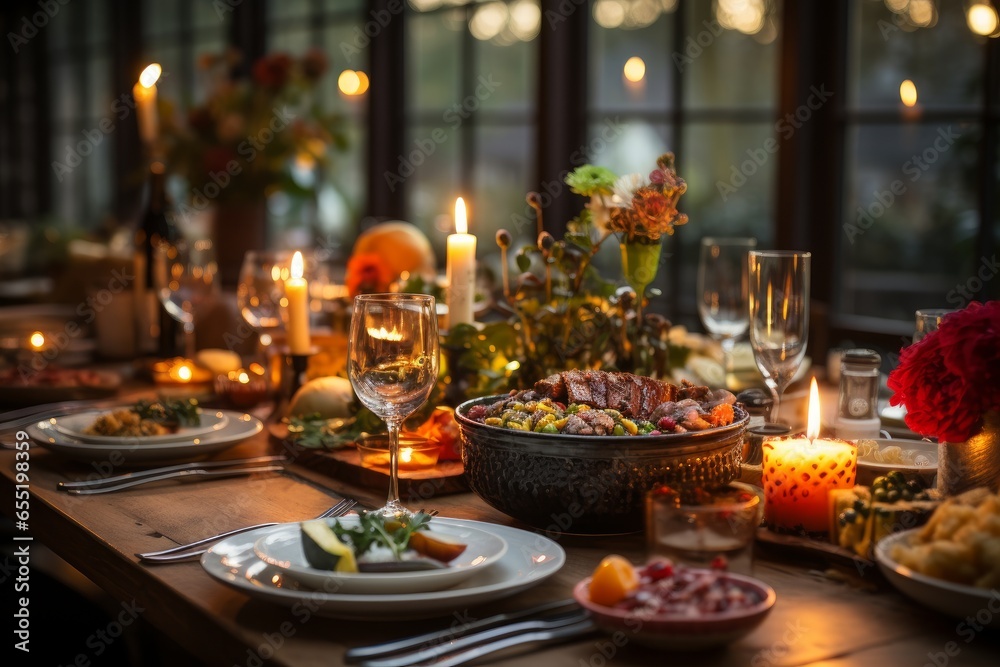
(183, 552)
(152, 472)
(477, 641)
(199, 472)
(557, 635)
(438, 636)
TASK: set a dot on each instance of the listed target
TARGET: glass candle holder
(712, 527)
(415, 453)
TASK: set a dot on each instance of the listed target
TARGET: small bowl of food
(915, 459)
(668, 606)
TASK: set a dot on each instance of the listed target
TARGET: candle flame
(908, 93)
(405, 455)
(297, 265)
(184, 373)
(382, 334)
(150, 75)
(37, 339)
(461, 221)
(812, 424)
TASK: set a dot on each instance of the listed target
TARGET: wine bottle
(157, 329)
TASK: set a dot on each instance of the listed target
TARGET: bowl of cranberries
(668, 605)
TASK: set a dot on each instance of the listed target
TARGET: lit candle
(144, 93)
(461, 269)
(799, 472)
(297, 296)
(37, 341)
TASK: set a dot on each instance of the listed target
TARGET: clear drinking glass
(928, 320)
(392, 361)
(779, 316)
(184, 277)
(260, 290)
(723, 287)
(715, 524)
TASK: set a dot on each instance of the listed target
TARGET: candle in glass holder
(461, 269)
(798, 473)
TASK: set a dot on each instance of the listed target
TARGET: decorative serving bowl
(587, 484)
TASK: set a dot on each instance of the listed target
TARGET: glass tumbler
(705, 528)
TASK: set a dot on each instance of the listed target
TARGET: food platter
(75, 426)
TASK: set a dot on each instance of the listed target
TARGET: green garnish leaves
(167, 411)
(373, 529)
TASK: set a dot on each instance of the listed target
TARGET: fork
(183, 552)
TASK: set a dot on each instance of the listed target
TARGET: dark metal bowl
(588, 484)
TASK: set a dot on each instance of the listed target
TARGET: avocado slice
(324, 550)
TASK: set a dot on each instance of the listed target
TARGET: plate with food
(530, 559)
(368, 553)
(952, 563)
(28, 386)
(138, 450)
(914, 459)
(665, 605)
(153, 421)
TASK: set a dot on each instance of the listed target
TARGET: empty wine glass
(260, 290)
(723, 286)
(779, 316)
(184, 277)
(392, 361)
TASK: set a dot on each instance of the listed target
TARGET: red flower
(951, 378)
(273, 71)
(314, 64)
(217, 158)
(367, 274)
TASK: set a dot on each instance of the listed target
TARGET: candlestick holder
(294, 371)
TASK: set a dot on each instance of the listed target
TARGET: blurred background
(865, 131)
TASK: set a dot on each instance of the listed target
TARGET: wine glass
(779, 315)
(260, 290)
(392, 361)
(723, 285)
(184, 276)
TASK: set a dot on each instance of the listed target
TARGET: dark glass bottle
(157, 329)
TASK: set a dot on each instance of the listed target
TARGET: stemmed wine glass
(723, 286)
(184, 277)
(392, 361)
(779, 315)
(260, 291)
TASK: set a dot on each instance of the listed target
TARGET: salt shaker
(857, 415)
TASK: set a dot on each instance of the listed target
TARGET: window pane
(724, 67)
(293, 40)
(67, 96)
(295, 8)
(910, 218)
(504, 76)
(500, 182)
(159, 18)
(432, 180)
(434, 48)
(610, 48)
(99, 88)
(944, 61)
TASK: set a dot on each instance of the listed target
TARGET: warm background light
(635, 69)
(982, 19)
(908, 93)
(349, 82)
(150, 75)
(37, 339)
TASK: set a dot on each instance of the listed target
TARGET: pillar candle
(297, 296)
(144, 93)
(798, 473)
(461, 269)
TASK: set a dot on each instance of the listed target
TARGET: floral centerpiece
(562, 313)
(258, 128)
(950, 384)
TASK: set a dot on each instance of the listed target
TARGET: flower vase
(975, 462)
(640, 260)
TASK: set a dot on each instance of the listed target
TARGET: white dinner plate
(137, 451)
(530, 559)
(946, 597)
(283, 549)
(75, 426)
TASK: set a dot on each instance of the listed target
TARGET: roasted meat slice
(553, 386)
(578, 389)
(598, 383)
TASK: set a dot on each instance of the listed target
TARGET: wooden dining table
(827, 613)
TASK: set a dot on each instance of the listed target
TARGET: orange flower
(367, 274)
